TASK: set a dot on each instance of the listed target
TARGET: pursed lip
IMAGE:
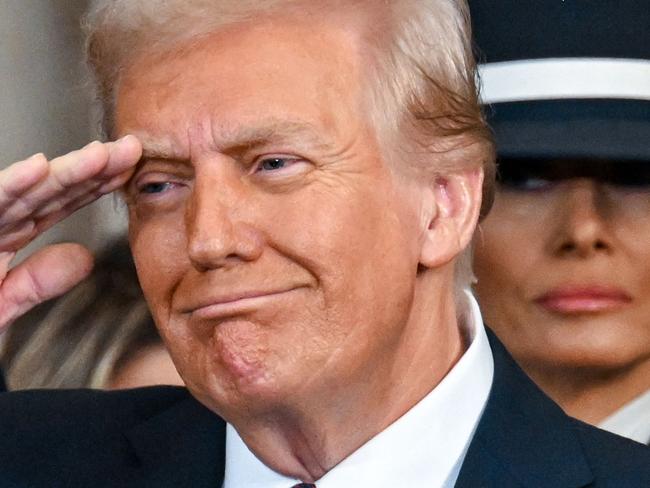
(235, 302)
(583, 299)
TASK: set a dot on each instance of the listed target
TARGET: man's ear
(457, 202)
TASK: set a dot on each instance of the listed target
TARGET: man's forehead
(222, 138)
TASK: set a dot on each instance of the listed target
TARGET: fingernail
(124, 138)
(39, 155)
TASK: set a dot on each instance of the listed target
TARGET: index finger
(96, 169)
(97, 162)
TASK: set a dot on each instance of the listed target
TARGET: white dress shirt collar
(632, 420)
(425, 447)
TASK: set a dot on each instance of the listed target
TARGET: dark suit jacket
(162, 437)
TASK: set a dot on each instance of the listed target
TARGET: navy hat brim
(566, 79)
(567, 129)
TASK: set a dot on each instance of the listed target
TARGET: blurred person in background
(100, 335)
(563, 260)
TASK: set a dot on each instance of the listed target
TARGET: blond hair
(423, 81)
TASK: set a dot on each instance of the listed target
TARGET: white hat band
(565, 78)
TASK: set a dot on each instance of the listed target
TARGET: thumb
(45, 274)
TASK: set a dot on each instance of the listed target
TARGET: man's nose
(582, 221)
(219, 234)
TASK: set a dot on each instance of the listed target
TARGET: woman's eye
(527, 183)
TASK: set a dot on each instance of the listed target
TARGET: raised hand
(36, 194)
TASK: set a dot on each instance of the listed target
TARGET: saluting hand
(35, 194)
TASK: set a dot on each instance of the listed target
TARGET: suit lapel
(182, 446)
(523, 438)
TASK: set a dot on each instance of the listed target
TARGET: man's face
(276, 248)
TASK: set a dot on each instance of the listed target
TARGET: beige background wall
(44, 105)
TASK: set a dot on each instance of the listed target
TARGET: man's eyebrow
(244, 137)
(268, 132)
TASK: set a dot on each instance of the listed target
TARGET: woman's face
(563, 264)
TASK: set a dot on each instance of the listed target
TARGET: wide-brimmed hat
(566, 78)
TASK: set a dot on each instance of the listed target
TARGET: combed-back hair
(422, 81)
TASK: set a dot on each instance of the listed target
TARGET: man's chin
(236, 397)
(241, 369)
(240, 382)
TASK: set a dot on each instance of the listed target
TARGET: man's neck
(305, 440)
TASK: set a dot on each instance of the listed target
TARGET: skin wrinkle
(256, 138)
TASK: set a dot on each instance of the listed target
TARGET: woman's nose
(581, 224)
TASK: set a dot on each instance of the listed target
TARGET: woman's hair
(83, 338)
(422, 74)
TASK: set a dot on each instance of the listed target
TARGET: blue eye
(158, 187)
(272, 164)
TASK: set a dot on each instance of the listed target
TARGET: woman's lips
(575, 300)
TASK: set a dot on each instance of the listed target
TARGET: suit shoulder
(24, 412)
(74, 437)
(613, 457)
